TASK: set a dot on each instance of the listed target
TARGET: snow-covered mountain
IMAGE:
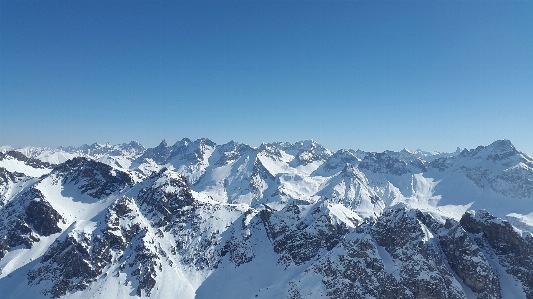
(201, 220)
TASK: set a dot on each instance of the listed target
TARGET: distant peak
(163, 143)
(502, 143)
(405, 150)
(502, 146)
(307, 144)
(134, 143)
(184, 142)
(206, 141)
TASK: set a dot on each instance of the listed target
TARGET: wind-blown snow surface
(281, 220)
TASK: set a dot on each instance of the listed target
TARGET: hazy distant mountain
(201, 220)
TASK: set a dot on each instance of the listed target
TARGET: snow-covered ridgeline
(186, 217)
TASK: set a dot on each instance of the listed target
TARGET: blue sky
(372, 75)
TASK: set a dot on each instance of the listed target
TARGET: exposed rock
(93, 178)
(468, 261)
(514, 252)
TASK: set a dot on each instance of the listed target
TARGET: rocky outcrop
(497, 237)
(299, 239)
(24, 219)
(92, 178)
(467, 260)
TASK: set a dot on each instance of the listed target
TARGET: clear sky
(372, 75)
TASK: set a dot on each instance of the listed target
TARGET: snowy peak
(97, 150)
(226, 153)
(92, 178)
(192, 152)
(165, 195)
(159, 154)
(496, 151)
(308, 151)
(302, 152)
(501, 147)
(338, 161)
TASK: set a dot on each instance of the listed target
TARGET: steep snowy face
(498, 166)
(10, 184)
(235, 175)
(189, 158)
(351, 188)
(338, 161)
(193, 152)
(15, 161)
(227, 153)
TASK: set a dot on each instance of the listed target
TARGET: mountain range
(198, 219)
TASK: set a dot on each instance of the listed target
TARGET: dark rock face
(128, 242)
(406, 254)
(441, 164)
(42, 217)
(299, 240)
(16, 235)
(354, 269)
(514, 182)
(93, 178)
(159, 154)
(24, 219)
(498, 237)
(497, 151)
(164, 197)
(392, 258)
(408, 240)
(67, 264)
(80, 257)
(468, 261)
(514, 177)
(239, 245)
(308, 151)
(304, 152)
(384, 163)
(260, 175)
